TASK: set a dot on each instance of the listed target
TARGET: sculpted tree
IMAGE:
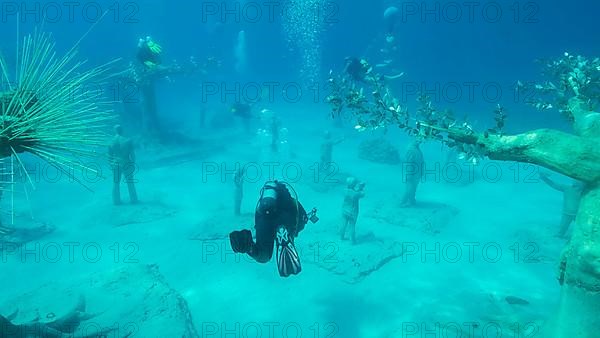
(574, 89)
(51, 106)
(46, 110)
(141, 79)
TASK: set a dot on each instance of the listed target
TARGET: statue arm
(552, 184)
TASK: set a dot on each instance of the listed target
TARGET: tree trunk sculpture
(576, 156)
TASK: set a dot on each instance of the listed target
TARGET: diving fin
(288, 261)
(241, 241)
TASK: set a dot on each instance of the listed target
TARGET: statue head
(351, 182)
(415, 143)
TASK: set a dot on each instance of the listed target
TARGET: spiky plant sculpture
(46, 109)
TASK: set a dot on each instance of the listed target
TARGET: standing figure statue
(327, 151)
(121, 156)
(354, 192)
(412, 168)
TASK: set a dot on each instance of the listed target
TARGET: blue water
(185, 213)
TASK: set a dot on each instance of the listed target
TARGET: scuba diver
(242, 109)
(391, 16)
(279, 217)
(148, 53)
(358, 69)
(327, 150)
(244, 112)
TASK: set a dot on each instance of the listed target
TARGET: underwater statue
(279, 218)
(327, 150)
(147, 71)
(121, 156)
(354, 192)
(412, 172)
(571, 199)
(150, 69)
(273, 137)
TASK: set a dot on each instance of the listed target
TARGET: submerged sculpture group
(573, 90)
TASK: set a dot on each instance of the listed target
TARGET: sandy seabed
(473, 258)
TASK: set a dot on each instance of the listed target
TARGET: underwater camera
(312, 215)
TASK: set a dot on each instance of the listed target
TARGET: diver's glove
(241, 241)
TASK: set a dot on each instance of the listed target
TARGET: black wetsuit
(271, 213)
(242, 110)
(356, 69)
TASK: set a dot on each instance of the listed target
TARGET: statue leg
(131, 182)
(343, 227)
(352, 224)
(116, 192)
(410, 191)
